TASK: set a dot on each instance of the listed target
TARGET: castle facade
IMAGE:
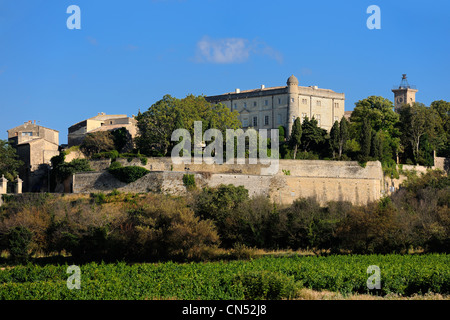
(269, 108)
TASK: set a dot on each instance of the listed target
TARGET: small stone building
(101, 122)
(35, 146)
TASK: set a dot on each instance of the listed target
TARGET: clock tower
(404, 93)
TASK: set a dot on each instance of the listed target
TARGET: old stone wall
(323, 180)
(442, 163)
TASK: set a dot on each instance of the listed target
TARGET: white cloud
(227, 50)
(232, 50)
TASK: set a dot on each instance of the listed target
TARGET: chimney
(263, 87)
(238, 90)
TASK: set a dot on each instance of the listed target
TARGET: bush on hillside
(128, 174)
(19, 241)
(167, 229)
(113, 155)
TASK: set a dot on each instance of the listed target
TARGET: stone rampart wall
(323, 180)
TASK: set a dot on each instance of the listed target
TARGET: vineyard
(261, 278)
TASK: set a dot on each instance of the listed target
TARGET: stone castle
(269, 108)
(263, 108)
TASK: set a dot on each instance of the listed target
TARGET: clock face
(400, 100)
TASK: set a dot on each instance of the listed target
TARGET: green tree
(335, 138)
(376, 146)
(443, 109)
(312, 135)
(101, 141)
(122, 140)
(416, 121)
(19, 241)
(365, 140)
(379, 112)
(281, 133)
(442, 143)
(343, 135)
(219, 204)
(9, 163)
(296, 135)
(62, 170)
(156, 125)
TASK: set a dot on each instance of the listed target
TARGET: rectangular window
(266, 120)
(254, 103)
(318, 103)
(245, 123)
(266, 102)
(279, 100)
(292, 99)
(279, 118)
(255, 121)
(235, 106)
(245, 104)
(305, 101)
(27, 134)
(336, 104)
(336, 119)
(317, 117)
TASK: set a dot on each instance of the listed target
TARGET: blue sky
(129, 54)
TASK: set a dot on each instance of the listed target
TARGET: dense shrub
(115, 165)
(113, 155)
(19, 240)
(152, 227)
(167, 229)
(128, 174)
(219, 205)
(189, 181)
(96, 142)
(434, 179)
(99, 198)
(62, 170)
(267, 285)
(255, 223)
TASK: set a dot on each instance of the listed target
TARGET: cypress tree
(366, 139)
(296, 135)
(343, 135)
(335, 138)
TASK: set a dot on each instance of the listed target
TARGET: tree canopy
(312, 135)
(379, 112)
(296, 135)
(9, 163)
(156, 125)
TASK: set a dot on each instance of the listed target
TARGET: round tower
(293, 106)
